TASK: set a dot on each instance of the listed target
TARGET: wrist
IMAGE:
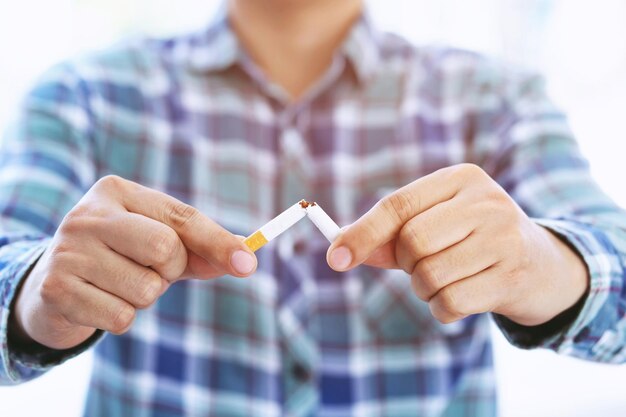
(16, 335)
(16, 332)
(562, 281)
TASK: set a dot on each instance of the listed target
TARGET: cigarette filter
(275, 227)
(327, 226)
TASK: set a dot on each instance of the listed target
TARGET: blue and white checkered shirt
(195, 118)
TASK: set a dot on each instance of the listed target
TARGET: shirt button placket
(295, 173)
(301, 397)
(301, 394)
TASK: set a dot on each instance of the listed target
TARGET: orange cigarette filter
(275, 227)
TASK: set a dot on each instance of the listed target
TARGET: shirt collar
(218, 48)
(362, 47)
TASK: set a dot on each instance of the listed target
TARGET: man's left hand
(468, 247)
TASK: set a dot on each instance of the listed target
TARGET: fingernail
(340, 258)
(243, 262)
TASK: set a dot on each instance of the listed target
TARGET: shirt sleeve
(532, 153)
(47, 163)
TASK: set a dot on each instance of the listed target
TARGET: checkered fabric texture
(195, 118)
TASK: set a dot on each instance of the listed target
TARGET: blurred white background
(579, 45)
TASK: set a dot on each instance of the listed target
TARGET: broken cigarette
(327, 226)
(275, 227)
(288, 218)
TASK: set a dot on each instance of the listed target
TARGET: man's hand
(468, 247)
(116, 251)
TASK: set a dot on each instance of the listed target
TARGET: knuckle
(52, 290)
(74, 220)
(501, 206)
(61, 251)
(110, 182)
(401, 204)
(451, 303)
(429, 275)
(499, 197)
(162, 246)
(149, 287)
(493, 213)
(82, 218)
(181, 214)
(122, 320)
(408, 234)
(444, 317)
(414, 239)
(419, 289)
(77, 212)
(466, 173)
(70, 227)
(471, 170)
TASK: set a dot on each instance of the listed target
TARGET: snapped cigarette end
(324, 223)
(256, 241)
(288, 218)
(306, 204)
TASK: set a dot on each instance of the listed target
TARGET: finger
(92, 307)
(199, 233)
(147, 242)
(198, 267)
(477, 294)
(384, 257)
(465, 259)
(118, 275)
(433, 231)
(383, 222)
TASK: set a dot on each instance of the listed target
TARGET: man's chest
(240, 160)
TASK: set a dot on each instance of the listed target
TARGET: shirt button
(299, 248)
(300, 373)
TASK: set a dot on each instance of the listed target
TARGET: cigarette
(327, 226)
(288, 218)
(275, 227)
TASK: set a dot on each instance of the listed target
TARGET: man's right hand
(116, 251)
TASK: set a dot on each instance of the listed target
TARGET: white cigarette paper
(275, 227)
(288, 218)
(327, 226)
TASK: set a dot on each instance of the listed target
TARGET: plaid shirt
(195, 118)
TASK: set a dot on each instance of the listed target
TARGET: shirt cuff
(573, 331)
(20, 363)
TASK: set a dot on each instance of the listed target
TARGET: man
(135, 171)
